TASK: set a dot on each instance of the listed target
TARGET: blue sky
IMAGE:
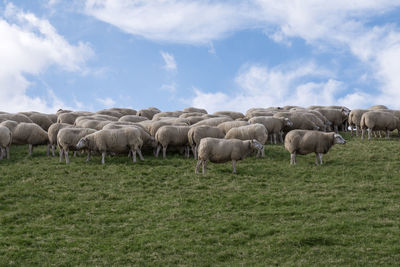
(218, 55)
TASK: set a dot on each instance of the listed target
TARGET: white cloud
(107, 102)
(30, 45)
(171, 88)
(169, 60)
(279, 86)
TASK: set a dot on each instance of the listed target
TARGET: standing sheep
(355, 119)
(226, 126)
(303, 142)
(249, 132)
(223, 150)
(192, 109)
(5, 141)
(234, 115)
(172, 135)
(195, 134)
(273, 125)
(67, 139)
(378, 120)
(117, 141)
(53, 131)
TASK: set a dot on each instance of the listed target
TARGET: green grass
(158, 212)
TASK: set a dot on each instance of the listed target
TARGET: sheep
(290, 107)
(67, 138)
(303, 142)
(248, 132)
(192, 109)
(148, 113)
(223, 150)
(70, 117)
(117, 141)
(42, 120)
(314, 118)
(132, 118)
(273, 125)
(97, 117)
(5, 141)
(156, 125)
(298, 119)
(213, 121)
(15, 117)
(27, 133)
(355, 119)
(172, 135)
(124, 111)
(61, 111)
(378, 120)
(195, 134)
(377, 107)
(226, 126)
(335, 116)
(234, 115)
(108, 112)
(191, 114)
(93, 124)
(194, 119)
(53, 131)
(167, 114)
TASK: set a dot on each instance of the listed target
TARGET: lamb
(273, 125)
(248, 132)
(226, 126)
(148, 113)
(213, 121)
(5, 141)
(53, 131)
(27, 133)
(132, 118)
(117, 141)
(234, 115)
(192, 109)
(378, 120)
(303, 142)
(355, 119)
(195, 134)
(67, 138)
(172, 135)
(223, 150)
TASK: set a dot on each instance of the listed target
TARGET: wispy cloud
(169, 61)
(107, 101)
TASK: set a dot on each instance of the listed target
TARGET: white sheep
(5, 141)
(67, 138)
(172, 136)
(248, 132)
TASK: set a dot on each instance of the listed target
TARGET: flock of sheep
(219, 137)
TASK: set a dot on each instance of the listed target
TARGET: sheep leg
(61, 154)
(387, 134)
(66, 156)
(53, 150)
(134, 155)
(198, 166)
(8, 152)
(158, 150)
(187, 152)
(281, 136)
(316, 159)
(204, 162)
(164, 152)
(293, 158)
(234, 166)
(1, 153)
(140, 154)
(48, 150)
(263, 152)
(336, 129)
(357, 131)
(88, 156)
(103, 155)
(274, 138)
(320, 158)
(270, 139)
(30, 149)
(369, 133)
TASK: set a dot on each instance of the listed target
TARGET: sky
(217, 55)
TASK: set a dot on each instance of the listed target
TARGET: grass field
(158, 212)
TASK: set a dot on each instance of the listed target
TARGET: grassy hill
(158, 212)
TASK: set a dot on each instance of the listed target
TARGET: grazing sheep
(70, 117)
(132, 118)
(194, 119)
(223, 150)
(314, 118)
(378, 120)
(335, 116)
(67, 138)
(172, 136)
(234, 115)
(195, 134)
(192, 109)
(27, 134)
(377, 107)
(15, 117)
(117, 141)
(5, 141)
(226, 126)
(213, 121)
(355, 119)
(156, 125)
(248, 132)
(298, 119)
(167, 114)
(273, 125)
(303, 142)
(43, 120)
(148, 113)
(53, 131)
(93, 124)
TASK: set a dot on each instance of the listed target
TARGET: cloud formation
(169, 60)
(30, 45)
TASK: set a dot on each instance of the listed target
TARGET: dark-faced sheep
(303, 142)
(223, 150)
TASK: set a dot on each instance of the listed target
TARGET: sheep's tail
(191, 138)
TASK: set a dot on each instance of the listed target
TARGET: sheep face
(255, 145)
(288, 123)
(339, 139)
(83, 143)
